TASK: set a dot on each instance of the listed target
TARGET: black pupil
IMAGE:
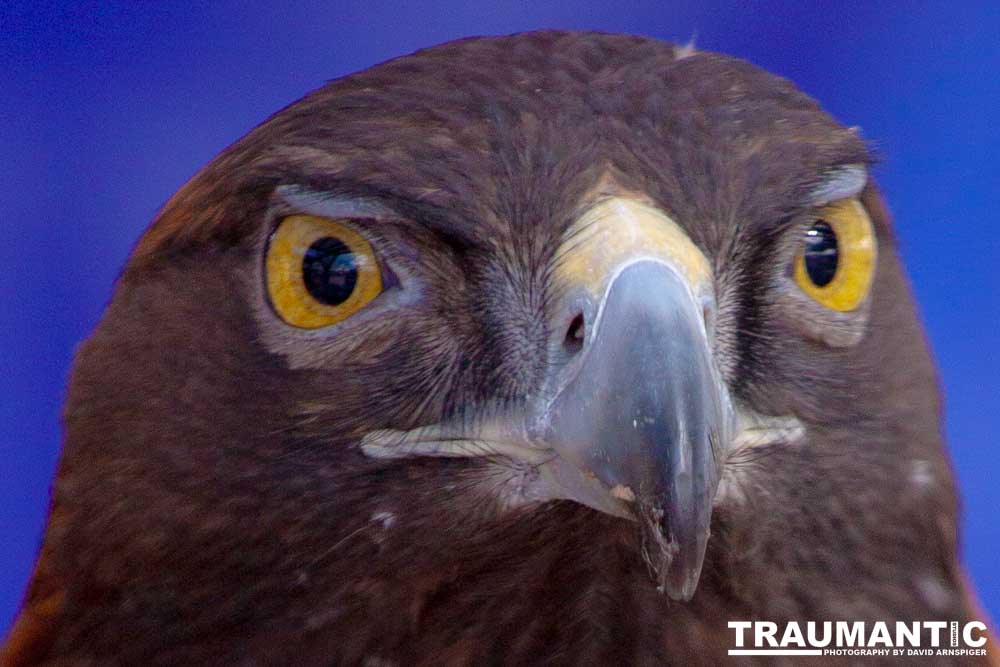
(821, 253)
(330, 271)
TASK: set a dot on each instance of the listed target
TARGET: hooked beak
(634, 416)
(646, 412)
(642, 406)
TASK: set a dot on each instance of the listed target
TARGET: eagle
(553, 348)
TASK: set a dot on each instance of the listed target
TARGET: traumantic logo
(856, 638)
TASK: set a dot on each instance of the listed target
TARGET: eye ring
(319, 271)
(836, 264)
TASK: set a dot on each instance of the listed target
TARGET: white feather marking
(376, 661)
(921, 475)
(682, 51)
(934, 591)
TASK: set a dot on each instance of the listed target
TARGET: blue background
(106, 109)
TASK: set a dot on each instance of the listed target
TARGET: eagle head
(557, 347)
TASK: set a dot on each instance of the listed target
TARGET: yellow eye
(837, 261)
(320, 271)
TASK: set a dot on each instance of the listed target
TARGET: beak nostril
(575, 335)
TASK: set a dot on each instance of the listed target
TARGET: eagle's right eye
(330, 271)
(320, 271)
(821, 254)
(836, 263)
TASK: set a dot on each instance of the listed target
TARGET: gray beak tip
(675, 565)
(644, 410)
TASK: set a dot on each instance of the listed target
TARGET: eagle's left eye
(320, 271)
(836, 263)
